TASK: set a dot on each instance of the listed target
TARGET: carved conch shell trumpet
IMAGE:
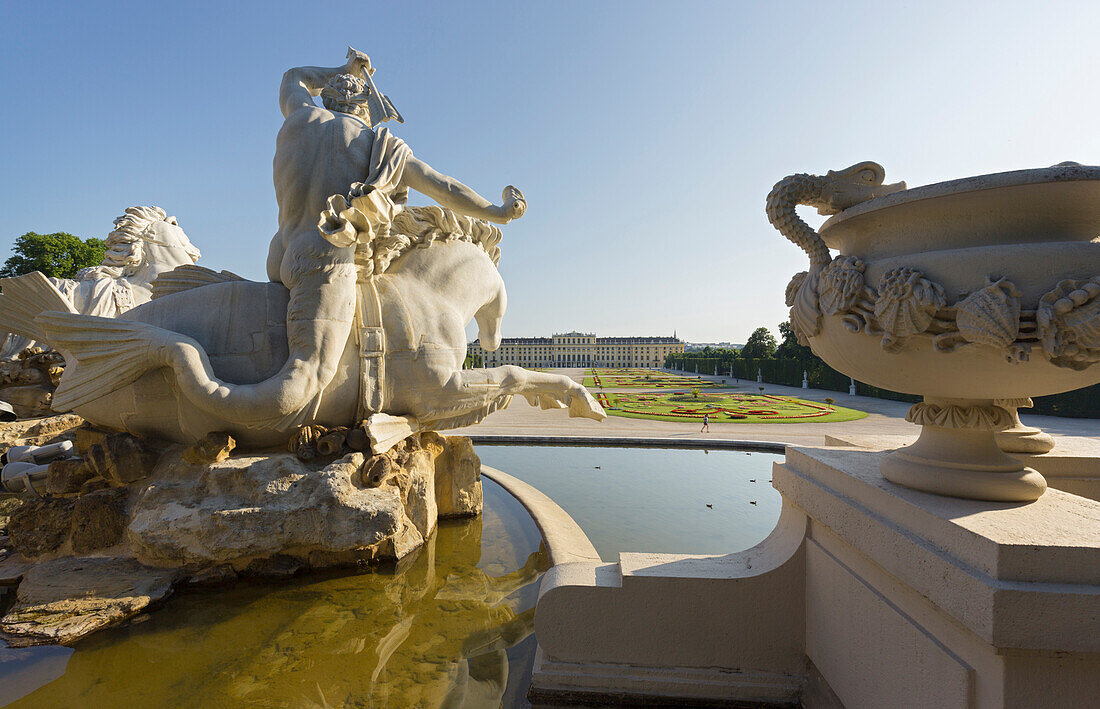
(991, 315)
(907, 304)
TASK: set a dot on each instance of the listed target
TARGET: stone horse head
(145, 243)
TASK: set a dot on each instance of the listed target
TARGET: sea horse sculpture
(144, 244)
(354, 325)
(832, 193)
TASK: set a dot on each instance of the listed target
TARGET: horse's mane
(131, 229)
(420, 227)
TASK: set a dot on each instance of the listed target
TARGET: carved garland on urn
(906, 304)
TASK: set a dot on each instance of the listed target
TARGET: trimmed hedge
(1082, 403)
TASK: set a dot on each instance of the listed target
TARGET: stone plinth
(896, 597)
(1073, 466)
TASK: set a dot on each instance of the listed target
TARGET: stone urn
(968, 292)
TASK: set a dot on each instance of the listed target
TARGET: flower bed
(724, 407)
(641, 379)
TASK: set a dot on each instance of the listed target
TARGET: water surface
(687, 501)
(450, 627)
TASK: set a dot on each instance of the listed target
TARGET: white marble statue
(364, 317)
(145, 243)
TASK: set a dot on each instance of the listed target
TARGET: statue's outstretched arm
(452, 194)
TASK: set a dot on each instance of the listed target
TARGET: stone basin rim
(976, 183)
(564, 539)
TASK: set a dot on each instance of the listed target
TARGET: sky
(645, 136)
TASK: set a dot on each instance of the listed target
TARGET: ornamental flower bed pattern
(744, 408)
(641, 379)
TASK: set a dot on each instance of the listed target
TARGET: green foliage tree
(789, 347)
(761, 345)
(59, 255)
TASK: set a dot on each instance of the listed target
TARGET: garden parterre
(724, 408)
(641, 379)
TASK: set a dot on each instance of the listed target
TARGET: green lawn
(724, 408)
(641, 379)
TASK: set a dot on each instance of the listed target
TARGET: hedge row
(1083, 403)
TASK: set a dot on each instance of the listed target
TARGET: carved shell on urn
(991, 316)
(792, 287)
(841, 285)
(1068, 319)
(907, 304)
(801, 297)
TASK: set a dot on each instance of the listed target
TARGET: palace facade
(579, 349)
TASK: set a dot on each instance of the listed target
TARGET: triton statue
(363, 320)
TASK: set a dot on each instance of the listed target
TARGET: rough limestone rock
(419, 493)
(99, 520)
(257, 507)
(213, 448)
(29, 401)
(41, 525)
(155, 514)
(8, 503)
(458, 490)
(37, 432)
(67, 476)
(63, 600)
(121, 458)
(27, 383)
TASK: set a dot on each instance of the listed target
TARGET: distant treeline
(784, 363)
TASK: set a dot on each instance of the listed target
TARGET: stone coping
(565, 541)
(630, 442)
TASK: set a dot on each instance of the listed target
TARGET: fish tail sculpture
(106, 354)
(23, 298)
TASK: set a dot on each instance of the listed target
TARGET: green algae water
(677, 501)
(449, 627)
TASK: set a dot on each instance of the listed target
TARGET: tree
(59, 255)
(789, 347)
(761, 345)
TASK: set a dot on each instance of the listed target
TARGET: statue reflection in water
(432, 633)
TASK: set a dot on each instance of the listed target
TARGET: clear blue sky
(644, 135)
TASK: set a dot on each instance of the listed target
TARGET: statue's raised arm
(301, 84)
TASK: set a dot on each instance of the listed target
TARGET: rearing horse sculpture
(356, 323)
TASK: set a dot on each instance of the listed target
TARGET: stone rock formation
(62, 600)
(149, 514)
(27, 382)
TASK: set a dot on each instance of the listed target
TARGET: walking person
(706, 424)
